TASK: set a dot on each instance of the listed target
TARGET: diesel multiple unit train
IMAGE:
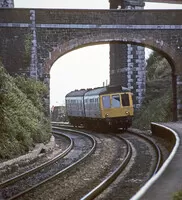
(102, 107)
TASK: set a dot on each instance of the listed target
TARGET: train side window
(106, 101)
(125, 99)
(116, 101)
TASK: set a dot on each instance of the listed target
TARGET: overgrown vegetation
(27, 53)
(177, 195)
(157, 105)
(22, 117)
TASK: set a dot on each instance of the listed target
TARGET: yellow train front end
(117, 109)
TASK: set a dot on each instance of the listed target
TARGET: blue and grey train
(102, 107)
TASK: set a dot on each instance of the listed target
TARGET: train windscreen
(116, 101)
(106, 101)
(125, 100)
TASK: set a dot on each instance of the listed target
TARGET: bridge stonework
(50, 33)
(6, 3)
(127, 61)
(179, 96)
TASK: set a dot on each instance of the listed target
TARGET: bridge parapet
(96, 17)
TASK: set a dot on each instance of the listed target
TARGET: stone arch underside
(167, 50)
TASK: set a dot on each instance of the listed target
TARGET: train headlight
(106, 115)
(127, 113)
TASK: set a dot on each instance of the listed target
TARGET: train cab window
(106, 101)
(125, 99)
(116, 101)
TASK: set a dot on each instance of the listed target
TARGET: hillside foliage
(157, 105)
(23, 122)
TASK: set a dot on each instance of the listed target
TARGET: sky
(87, 67)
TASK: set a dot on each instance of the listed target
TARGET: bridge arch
(160, 46)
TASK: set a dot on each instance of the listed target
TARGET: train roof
(77, 93)
(117, 88)
(107, 90)
(97, 91)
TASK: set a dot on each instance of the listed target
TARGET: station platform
(168, 180)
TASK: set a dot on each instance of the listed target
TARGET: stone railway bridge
(48, 34)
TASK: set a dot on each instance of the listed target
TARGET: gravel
(40, 154)
(73, 185)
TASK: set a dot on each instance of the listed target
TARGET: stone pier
(127, 61)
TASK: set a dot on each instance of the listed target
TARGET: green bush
(157, 105)
(177, 196)
(156, 110)
(35, 90)
(22, 118)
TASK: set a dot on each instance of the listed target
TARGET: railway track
(40, 155)
(145, 172)
(86, 175)
(16, 187)
(117, 167)
(108, 180)
(148, 148)
(145, 162)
